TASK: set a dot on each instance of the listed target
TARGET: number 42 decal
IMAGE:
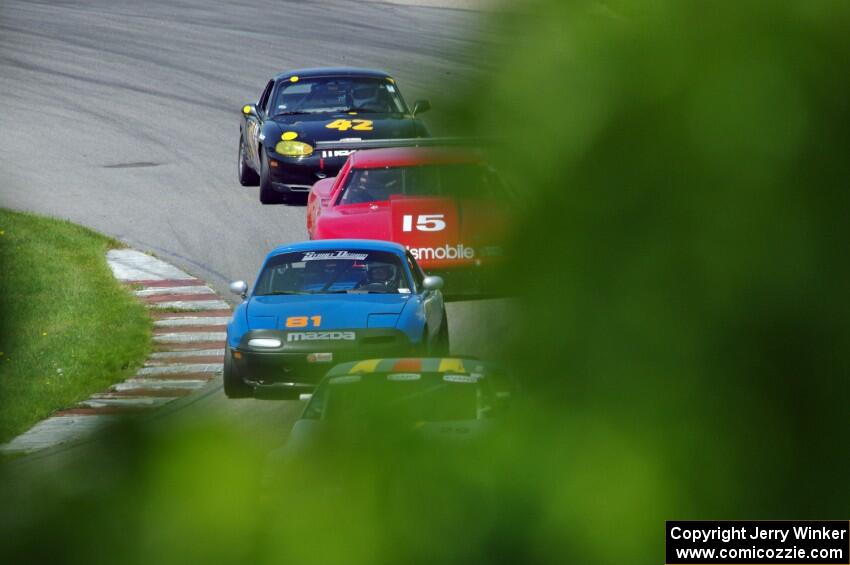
(424, 222)
(356, 125)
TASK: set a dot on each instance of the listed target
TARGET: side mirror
(421, 106)
(432, 283)
(239, 287)
(322, 189)
(249, 110)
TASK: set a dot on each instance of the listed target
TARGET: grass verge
(67, 327)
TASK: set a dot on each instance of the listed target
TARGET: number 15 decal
(424, 222)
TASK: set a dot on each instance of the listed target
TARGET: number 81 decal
(303, 321)
(356, 125)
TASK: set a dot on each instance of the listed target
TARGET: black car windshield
(338, 94)
(410, 397)
(466, 180)
(333, 271)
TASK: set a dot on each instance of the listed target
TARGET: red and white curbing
(189, 335)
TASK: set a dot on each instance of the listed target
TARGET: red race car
(447, 205)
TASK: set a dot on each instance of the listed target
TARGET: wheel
(234, 387)
(426, 348)
(267, 192)
(247, 175)
(441, 345)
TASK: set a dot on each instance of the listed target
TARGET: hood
(314, 127)
(336, 311)
(440, 232)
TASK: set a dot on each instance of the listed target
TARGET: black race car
(297, 109)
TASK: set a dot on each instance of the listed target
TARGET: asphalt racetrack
(123, 116)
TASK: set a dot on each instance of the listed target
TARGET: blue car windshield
(333, 271)
(338, 94)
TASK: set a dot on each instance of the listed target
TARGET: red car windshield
(466, 180)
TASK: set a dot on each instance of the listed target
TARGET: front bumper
(299, 174)
(294, 365)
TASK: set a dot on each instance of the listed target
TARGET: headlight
(293, 148)
(264, 342)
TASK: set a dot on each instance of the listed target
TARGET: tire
(247, 175)
(439, 345)
(234, 387)
(426, 347)
(267, 192)
(442, 347)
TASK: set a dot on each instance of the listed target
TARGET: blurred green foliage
(683, 343)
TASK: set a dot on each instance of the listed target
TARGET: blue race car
(325, 302)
